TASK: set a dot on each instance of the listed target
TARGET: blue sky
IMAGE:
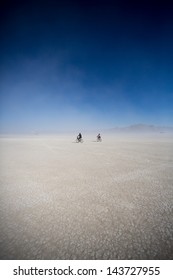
(75, 65)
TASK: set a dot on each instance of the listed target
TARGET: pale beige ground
(109, 200)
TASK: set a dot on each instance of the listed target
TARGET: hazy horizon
(133, 129)
(84, 65)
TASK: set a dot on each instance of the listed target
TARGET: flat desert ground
(65, 200)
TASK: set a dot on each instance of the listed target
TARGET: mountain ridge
(141, 127)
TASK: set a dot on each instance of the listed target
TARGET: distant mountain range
(140, 128)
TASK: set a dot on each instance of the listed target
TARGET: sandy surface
(65, 200)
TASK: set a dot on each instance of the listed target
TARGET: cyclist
(99, 137)
(79, 137)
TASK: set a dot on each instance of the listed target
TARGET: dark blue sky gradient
(85, 64)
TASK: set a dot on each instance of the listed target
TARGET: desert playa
(90, 200)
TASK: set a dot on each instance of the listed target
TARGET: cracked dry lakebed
(65, 200)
